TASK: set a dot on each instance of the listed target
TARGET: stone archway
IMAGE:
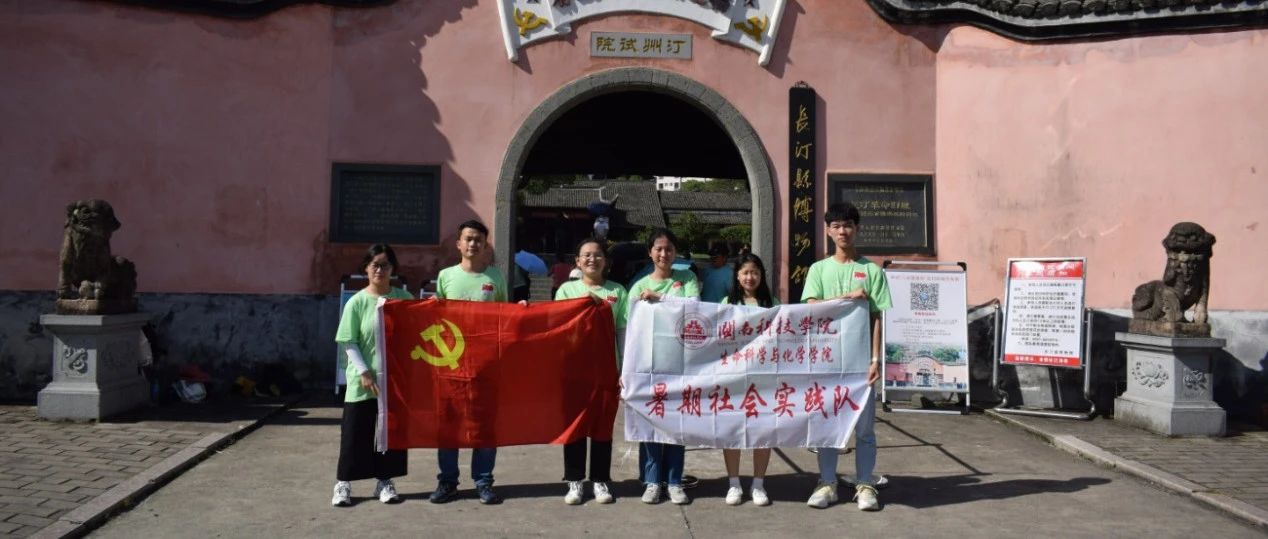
(752, 153)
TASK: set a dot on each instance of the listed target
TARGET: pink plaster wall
(214, 138)
(446, 93)
(1096, 149)
(208, 136)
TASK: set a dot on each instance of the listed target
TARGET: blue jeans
(864, 450)
(664, 462)
(482, 461)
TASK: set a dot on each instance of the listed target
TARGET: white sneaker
(652, 493)
(574, 495)
(343, 494)
(866, 496)
(386, 491)
(760, 497)
(601, 493)
(734, 496)
(678, 495)
(825, 494)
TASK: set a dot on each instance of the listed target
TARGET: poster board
(1043, 306)
(926, 331)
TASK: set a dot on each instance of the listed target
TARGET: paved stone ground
(949, 476)
(48, 469)
(1235, 466)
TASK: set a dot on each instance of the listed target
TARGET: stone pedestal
(1169, 385)
(96, 362)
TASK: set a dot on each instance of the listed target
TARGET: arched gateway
(756, 164)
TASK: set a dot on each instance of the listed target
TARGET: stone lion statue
(1185, 284)
(90, 280)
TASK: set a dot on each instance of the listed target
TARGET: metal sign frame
(1085, 344)
(884, 393)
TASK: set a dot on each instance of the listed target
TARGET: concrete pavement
(965, 476)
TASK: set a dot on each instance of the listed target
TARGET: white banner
(926, 331)
(748, 23)
(711, 375)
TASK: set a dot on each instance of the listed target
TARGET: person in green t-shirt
(358, 328)
(663, 462)
(847, 276)
(592, 262)
(473, 279)
(748, 287)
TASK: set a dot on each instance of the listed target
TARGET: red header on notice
(1029, 269)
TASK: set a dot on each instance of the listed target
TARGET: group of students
(843, 276)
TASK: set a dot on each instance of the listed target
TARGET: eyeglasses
(381, 266)
(591, 256)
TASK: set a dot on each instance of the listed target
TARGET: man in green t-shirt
(847, 276)
(473, 279)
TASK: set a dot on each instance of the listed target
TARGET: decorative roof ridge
(242, 9)
(1033, 20)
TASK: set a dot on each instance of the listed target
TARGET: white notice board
(1043, 306)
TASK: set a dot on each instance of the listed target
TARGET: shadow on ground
(921, 492)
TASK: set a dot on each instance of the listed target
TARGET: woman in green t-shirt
(748, 287)
(356, 337)
(663, 462)
(592, 262)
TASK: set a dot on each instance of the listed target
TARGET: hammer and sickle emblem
(754, 27)
(527, 21)
(435, 334)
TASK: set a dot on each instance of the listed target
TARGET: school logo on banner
(694, 331)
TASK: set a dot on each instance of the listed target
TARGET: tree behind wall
(692, 233)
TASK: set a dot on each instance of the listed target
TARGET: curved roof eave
(1038, 20)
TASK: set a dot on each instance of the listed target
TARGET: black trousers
(600, 461)
(357, 457)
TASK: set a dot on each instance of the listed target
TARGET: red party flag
(466, 374)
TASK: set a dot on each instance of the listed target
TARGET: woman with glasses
(356, 337)
(593, 283)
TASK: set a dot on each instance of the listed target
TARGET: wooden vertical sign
(801, 187)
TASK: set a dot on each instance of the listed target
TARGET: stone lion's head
(93, 217)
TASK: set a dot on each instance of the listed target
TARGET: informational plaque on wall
(384, 204)
(630, 45)
(1043, 312)
(896, 210)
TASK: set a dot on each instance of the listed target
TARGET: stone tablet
(385, 203)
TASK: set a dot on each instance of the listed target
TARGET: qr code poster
(926, 337)
(924, 296)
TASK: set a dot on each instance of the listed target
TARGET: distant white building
(674, 183)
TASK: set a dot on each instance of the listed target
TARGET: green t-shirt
(359, 325)
(611, 291)
(681, 283)
(455, 283)
(828, 279)
(752, 302)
